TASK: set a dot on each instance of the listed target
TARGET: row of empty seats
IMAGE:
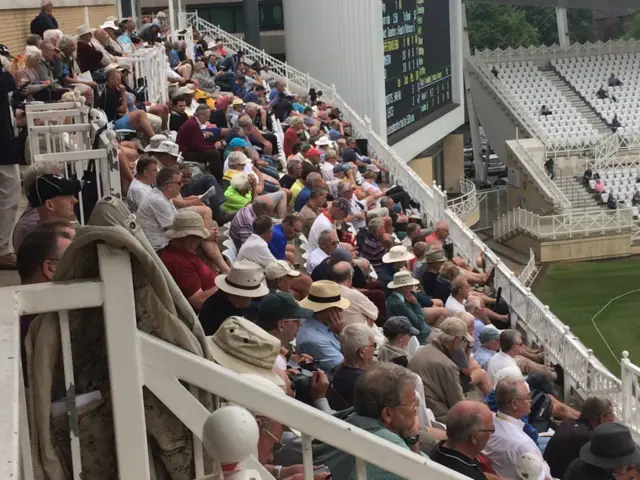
(529, 87)
(590, 73)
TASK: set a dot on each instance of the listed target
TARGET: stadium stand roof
(608, 4)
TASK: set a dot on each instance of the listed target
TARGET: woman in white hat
(318, 336)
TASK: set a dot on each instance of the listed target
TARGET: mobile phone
(324, 469)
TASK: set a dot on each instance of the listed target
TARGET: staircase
(576, 192)
(570, 94)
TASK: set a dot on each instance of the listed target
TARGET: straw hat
(155, 141)
(242, 346)
(323, 141)
(187, 222)
(401, 279)
(237, 102)
(324, 294)
(167, 146)
(245, 279)
(109, 24)
(83, 30)
(398, 254)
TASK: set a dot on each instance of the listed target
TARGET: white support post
(563, 27)
(86, 15)
(172, 18)
(124, 363)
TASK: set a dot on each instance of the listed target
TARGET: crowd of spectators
(323, 284)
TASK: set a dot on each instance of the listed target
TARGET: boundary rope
(593, 321)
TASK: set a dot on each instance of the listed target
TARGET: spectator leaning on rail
(571, 435)
(437, 366)
(469, 426)
(318, 336)
(509, 440)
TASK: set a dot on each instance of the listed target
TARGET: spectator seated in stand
(113, 102)
(402, 302)
(256, 247)
(509, 441)
(142, 184)
(545, 111)
(291, 136)
(193, 276)
(236, 290)
(282, 277)
(313, 181)
(178, 113)
(598, 186)
(308, 214)
(613, 81)
(571, 435)
(327, 244)
(242, 224)
(438, 365)
(612, 203)
(489, 340)
(288, 230)
(239, 193)
(53, 197)
(370, 242)
(362, 310)
(469, 426)
(318, 336)
(398, 333)
(358, 347)
(338, 211)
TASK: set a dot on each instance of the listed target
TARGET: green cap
(279, 306)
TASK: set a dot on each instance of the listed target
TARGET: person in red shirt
(296, 125)
(194, 277)
(191, 139)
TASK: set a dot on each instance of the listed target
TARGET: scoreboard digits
(417, 60)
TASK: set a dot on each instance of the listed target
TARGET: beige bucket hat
(401, 279)
(187, 222)
(278, 269)
(324, 294)
(242, 346)
(245, 279)
(398, 254)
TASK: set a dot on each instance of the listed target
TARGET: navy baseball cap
(49, 186)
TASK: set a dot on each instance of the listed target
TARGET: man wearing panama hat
(318, 336)
(611, 454)
(244, 282)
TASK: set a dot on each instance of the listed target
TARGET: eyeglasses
(277, 448)
(488, 430)
(518, 344)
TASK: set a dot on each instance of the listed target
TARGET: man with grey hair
(509, 441)
(469, 426)
(362, 310)
(356, 216)
(475, 307)
(313, 180)
(294, 172)
(358, 348)
(309, 213)
(512, 351)
(370, 243)
(570, 436)
(327, 243)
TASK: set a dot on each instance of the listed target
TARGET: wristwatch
(277, 471)
(411, 441)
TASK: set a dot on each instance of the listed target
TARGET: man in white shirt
(328, 242)
(460, 290)
(357, 213)
(256, 248)
(326, 169)
(340, 208)
(142, 185)
(510, 345)
(156, 211)
(509, 441)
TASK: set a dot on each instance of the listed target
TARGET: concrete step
(514, 259)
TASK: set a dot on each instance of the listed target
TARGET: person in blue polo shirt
(290, 228)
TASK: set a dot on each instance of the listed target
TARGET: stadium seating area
(588, 74)
(622, 182)
(528, 85)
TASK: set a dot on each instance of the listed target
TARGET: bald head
(469, 426)
(342, 272)
(442, 230)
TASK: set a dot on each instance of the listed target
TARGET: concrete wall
(424, 168)
(453, 146)
(522, 190)
(352, 58)
(573, 249)
(16, 21)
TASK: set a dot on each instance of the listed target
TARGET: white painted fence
(150, 63)
(529, 272)
(566, 225)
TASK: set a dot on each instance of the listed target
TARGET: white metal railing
(563, 225)
(185, 34)
(136, 360)
(630, 392)
(467, 201)
(150, 63)
(529, 272)
(541, 178)
(584, 373)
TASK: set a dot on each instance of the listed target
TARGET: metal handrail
(467, 202)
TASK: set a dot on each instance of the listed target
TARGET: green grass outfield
(575, 292)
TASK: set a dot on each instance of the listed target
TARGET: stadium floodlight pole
(563, 27)
(251, 22)
(481, 167)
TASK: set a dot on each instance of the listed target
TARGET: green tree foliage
(500, 26)
(635, 26)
